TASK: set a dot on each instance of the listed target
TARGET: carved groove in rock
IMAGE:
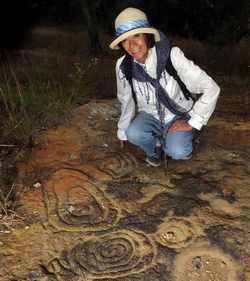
(116, 164)
(176, 233)
(76, 204)
(113, 255)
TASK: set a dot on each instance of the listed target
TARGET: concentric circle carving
(113, 255)
(80, 207)
(176, 233)
(116, 164)
(76, 204)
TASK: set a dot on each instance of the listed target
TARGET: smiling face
(136, 46)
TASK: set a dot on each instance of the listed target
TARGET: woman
(166, 119)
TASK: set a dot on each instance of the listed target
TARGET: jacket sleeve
(197, 81)
(124, 95)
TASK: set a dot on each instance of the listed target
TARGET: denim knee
(179, 145)
(133, 135)
(178, 152)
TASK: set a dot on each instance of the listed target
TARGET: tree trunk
(89, 14)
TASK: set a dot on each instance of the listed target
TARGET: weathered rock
(99, 212)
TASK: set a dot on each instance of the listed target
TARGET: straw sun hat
(129, 22)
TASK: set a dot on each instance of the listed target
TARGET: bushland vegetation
(53, 69)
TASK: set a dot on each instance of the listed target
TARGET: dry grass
(6, 202)
(10, 221)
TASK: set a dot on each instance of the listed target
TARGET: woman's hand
(122, 144)
(180, 125)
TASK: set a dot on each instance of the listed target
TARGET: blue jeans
(145, 131)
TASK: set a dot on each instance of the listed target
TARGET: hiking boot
(153, 161)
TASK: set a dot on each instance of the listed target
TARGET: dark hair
(150, 41)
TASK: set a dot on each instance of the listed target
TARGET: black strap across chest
(127, 71)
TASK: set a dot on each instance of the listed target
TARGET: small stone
(72, 156)
(169, 236)
(37, 185)
(71, 208)
(197, 263)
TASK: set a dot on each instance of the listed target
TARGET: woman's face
(136, 46)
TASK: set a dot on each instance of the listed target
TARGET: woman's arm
(124, 95)
(198, 82)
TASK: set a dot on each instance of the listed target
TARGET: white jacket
(195, 79)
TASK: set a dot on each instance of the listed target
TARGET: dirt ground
(95, 212)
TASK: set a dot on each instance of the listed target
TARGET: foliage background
(219, 22)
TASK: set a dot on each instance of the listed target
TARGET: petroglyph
(75, 203)
(112, 163)
(177, 233)
(113, 255)
(104, 215)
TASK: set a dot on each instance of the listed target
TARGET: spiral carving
(76, 204)
(81, 211)
(113, 255)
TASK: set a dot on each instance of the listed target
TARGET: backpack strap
(126, 67)
(172, 71)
